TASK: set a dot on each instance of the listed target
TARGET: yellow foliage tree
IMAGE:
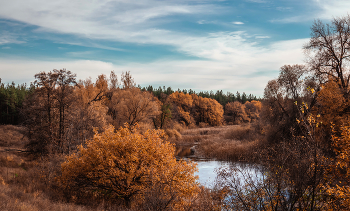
(332, 103)
(133, 106)
(182, 104)
(207, 110)
(339, 188)
(253, 109)
(125, 165)
(236, 112)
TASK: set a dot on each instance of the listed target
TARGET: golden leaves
(124, 164)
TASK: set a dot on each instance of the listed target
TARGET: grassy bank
(226, 143)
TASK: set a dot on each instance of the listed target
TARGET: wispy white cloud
(331, 9)
(317, 9)
(262, 37)
(292, 19)
(284, 8)
(257, 1)
(207, 22)
(237, 22)
(8, 38)
(80, 53)
(99, 19)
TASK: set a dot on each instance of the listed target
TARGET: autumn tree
(329, 51)
(253, 109)
(85, 114)
(181, 104)
(125, 164)
(338, 173)
(114, 83)
(133, 106)
(279, 112)
(65, 86)
(165, 115)
(127, 80)
(289, 175)
(236, 112)
(207, 110)
(45, 110)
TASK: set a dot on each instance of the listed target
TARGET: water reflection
(207, 169)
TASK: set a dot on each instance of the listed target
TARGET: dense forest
(108, 143)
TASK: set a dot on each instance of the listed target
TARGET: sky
(203, 45)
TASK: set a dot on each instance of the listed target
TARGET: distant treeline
(219, 96)
(11, 100)
(12, 97)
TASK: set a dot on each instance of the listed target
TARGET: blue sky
(232, 46)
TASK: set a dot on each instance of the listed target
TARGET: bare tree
(127, 80)
(329, 51)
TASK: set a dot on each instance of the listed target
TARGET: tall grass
(227, 143)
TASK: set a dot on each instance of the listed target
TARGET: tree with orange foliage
(133, 106)
(182, 104)
(88, 111)
(125, 164)
(339, 173)
(253, 109)
(207, 110)
(235, 111)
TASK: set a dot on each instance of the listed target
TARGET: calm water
(207, 169)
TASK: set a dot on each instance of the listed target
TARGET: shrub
(124, 165)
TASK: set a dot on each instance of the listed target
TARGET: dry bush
(11, 135)
(203, 124)
(180, 127)
(173, 134)
(191, 139)
(144, 126)
(226, 149)
(192, 126)
(241, 133)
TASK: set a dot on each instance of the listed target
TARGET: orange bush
(125, 164)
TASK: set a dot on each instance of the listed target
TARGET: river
(207, 168)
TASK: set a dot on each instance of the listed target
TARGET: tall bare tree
(329, 51)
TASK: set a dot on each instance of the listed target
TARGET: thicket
(11, 101)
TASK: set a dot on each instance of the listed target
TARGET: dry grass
(25, 184)
(230, 142)
(12, 136)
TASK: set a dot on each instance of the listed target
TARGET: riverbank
(223, 143)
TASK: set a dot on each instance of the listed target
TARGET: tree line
(219, 96)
